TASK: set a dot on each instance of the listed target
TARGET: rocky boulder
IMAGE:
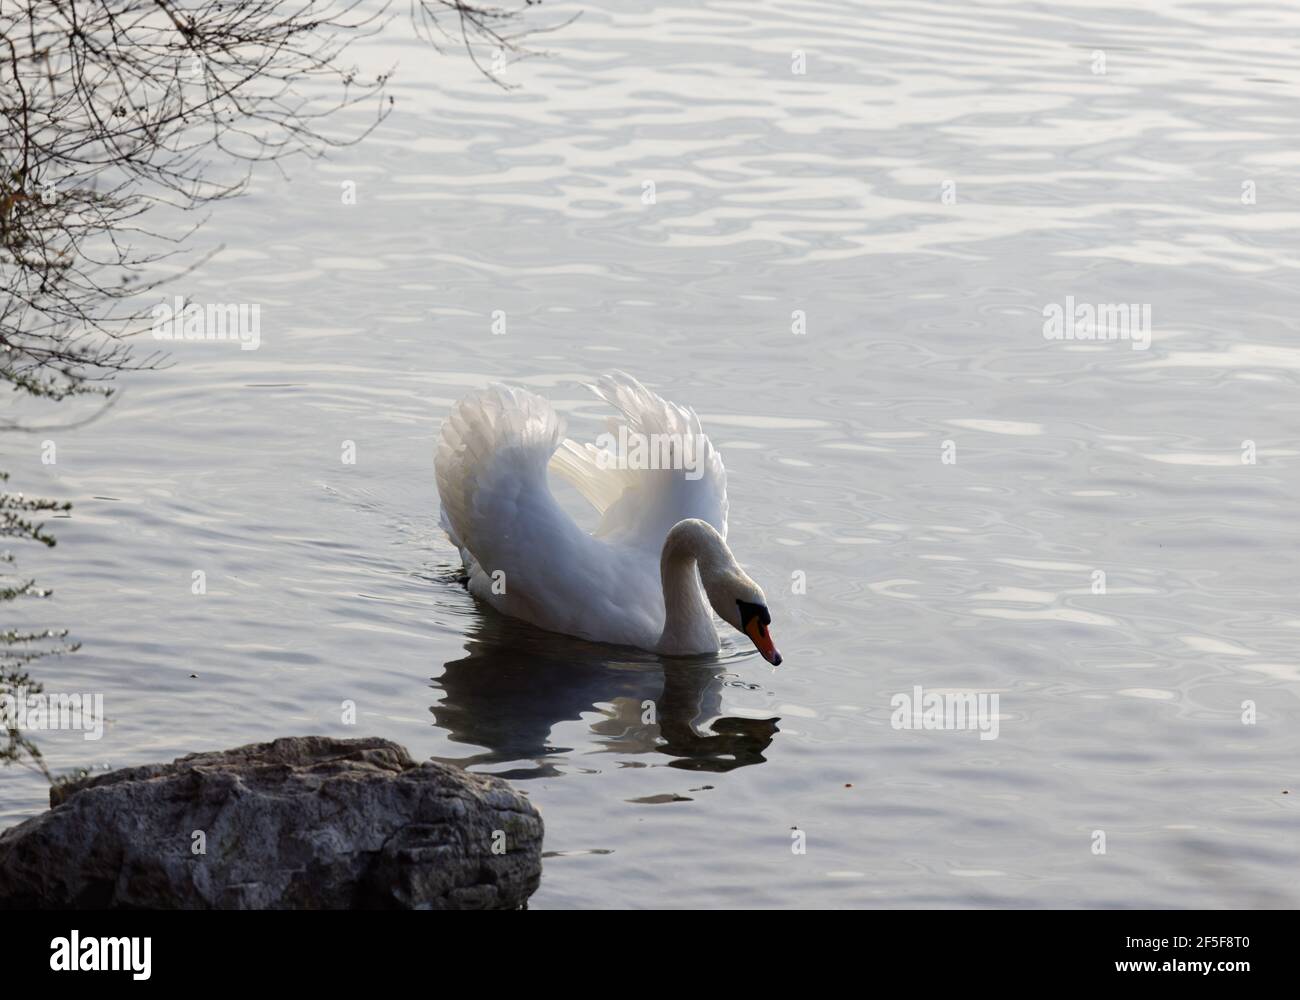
(303, 822)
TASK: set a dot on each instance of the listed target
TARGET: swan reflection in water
(516, 683)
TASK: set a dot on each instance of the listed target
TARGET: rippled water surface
(939, 175)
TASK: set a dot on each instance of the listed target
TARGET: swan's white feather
(640, 506)
(522, 552)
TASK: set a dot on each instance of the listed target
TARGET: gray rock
(304, 822)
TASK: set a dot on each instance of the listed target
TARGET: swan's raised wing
(523, 553)
(654, 467)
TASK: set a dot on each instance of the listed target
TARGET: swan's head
(737, 599)
(740, 603)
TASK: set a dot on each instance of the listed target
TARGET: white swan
(641, 579)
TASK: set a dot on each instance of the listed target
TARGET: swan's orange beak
(757, 631)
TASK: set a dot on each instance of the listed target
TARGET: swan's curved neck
(692, 548)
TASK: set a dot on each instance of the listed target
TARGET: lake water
(948, 481)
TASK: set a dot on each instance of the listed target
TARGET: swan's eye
(749, 611)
